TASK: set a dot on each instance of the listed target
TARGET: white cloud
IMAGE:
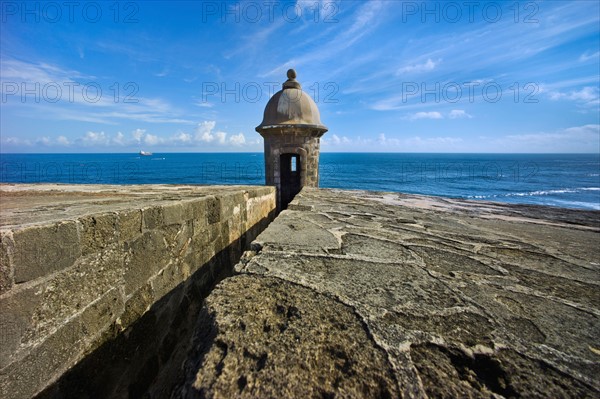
(585, 132)
(94, 139)
(428, 65)
(204, 131)
(410, 144)
(588, 55)
(119, 139)
(183, 137)
(591, 131)
(16, 141)
(207, 137)
(381, 139)
(74, 96)
(221, 136)
(426, 115)
(389, 104)
(237, 139)
(137, 134)
(453, 114)
(41, 73)
(311, 4)
(204, 104)
(584, 138)
(585, 94)
(458, 114)
(44, 141)
(369, 12)
(139, 137)
(334, 139)
(428, 142)
(312, 9)
(365, 19)
(152, 139)
(162, 73)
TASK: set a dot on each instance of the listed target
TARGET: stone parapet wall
(82, 265)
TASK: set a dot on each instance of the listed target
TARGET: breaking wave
(535, 193)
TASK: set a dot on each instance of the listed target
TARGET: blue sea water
(564, 180)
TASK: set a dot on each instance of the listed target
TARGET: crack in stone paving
(465, 299)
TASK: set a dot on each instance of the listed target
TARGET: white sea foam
(537, 193)
(579, 204)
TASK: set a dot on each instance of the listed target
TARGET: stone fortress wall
(119, 291)
(108, 280)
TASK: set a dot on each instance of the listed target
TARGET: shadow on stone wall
(146, 360)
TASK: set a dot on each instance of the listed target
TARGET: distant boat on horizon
(145, 153)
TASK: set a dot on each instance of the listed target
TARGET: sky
(387, 76)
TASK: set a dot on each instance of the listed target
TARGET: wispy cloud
(465, 53)
(588, 96)
(251, 43)
(384, 142)
(584, 138)
(37, 72)
(459, 114)
(427, 66)
(365, 19)
(418, 143)
(426, 115)
(586, 132)
(204, 104)
(65, 94)
(578, 139)
(588, 55)
(313, 5)
(164, 72)
(137, 48)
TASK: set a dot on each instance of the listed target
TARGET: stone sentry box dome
(291, 129)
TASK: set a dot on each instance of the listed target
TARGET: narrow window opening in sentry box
(293, 165)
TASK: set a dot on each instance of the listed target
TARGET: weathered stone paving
(363, 294)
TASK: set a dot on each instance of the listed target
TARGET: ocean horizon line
(565, 180)
(322, 152)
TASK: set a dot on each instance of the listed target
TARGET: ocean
(563, 180)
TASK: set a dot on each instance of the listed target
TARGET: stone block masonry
(355, 294)
(112, 275)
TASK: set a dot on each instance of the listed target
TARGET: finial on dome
(291, 83)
